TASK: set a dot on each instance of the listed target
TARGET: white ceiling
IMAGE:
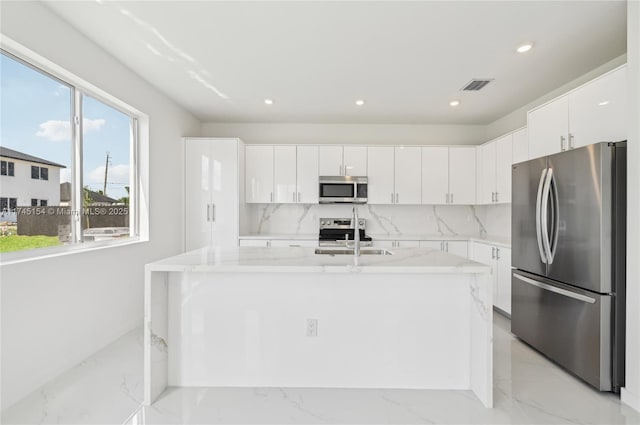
(220, 60)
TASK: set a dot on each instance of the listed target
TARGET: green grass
(19, 243)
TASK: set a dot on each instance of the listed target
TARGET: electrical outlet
(312, 327)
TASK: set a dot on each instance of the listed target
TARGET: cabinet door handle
(446, 198)
(396, 198)
(447, 246)
(497, 253)
(298, 196)
(493, 196)
(497, 197)
(271, 197)
(493, 253)
(392, 198)
(213, 212)
(562, 139)
(208, 212)
(571, 145)
(451, 198)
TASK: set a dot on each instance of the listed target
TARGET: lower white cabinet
(500, 259)
(292, 243)
(396, 244)
(458, 248)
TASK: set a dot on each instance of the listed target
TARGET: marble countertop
(489, 239)
(304, 260)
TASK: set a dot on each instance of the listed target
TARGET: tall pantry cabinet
(214, 174)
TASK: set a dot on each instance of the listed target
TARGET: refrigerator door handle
(555, 289)
(544, 215)
(543, 256)
(555, 210)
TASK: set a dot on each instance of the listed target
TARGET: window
(4, 204)
(47, 121)
(7, 168)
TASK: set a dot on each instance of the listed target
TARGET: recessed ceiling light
(606, 102)
(454, 103)
(524, 47)
(268, 101)
(359, 102)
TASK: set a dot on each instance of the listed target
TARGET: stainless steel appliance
(568, 251)
(343, 190)
(338, 231)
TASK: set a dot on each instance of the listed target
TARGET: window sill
(16, 257)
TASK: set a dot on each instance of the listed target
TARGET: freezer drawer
(570, 326)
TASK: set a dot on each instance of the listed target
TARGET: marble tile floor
(528, 389)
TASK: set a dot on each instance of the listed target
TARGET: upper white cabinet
(211, 192)
(343, 160)
(284, 174)
(408, 175)
(281, 174)
(307, 175)
(259, 177)
(435, 175)
(520, 146)
(495, 171)
(448, 175)
(394, 174)
(592, 113)
(598, 110)
(462, 175)
(381, 167)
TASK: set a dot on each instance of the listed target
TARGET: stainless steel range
(337, 231)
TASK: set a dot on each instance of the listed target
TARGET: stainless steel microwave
(343, 190)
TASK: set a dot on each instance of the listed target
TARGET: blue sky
(34, 119)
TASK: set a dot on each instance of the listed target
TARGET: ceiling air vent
(476, 84)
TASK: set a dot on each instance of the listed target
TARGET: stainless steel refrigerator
(568, 255)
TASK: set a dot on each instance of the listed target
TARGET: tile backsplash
(445, 220)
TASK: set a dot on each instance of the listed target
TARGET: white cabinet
(343, 160)
(281, 174)
(394, 174)
(499, 259)
(448, 175)
(435, 175)
(452, 247)
(396, 244)
(408, 175)
(495, 171)
(594, 112)
(598, 111)
(520, 146)
(211, 192)
(307, 175)
(290, 243)
(259, 174)
(381, 170)
(284, 174)
(462, 175)
(548, 128)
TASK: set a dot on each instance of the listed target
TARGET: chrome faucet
(356, 235)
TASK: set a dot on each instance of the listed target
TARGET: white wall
(374, 134)
(58, 311)
(631, 392)
(23, 187)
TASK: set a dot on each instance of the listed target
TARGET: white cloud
(118, 173)
(57, 130)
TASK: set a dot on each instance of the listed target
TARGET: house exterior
(27, 180)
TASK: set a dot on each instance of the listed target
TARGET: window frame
(139, 142)
(11, 169)
(4, 168)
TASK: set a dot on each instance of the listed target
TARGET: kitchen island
(289, 317)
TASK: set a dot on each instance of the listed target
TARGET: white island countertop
(304, 260)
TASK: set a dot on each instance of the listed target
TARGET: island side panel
(373, 330)
(481, 292)
(155, 334)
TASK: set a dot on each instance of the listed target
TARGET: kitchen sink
(321, 251)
